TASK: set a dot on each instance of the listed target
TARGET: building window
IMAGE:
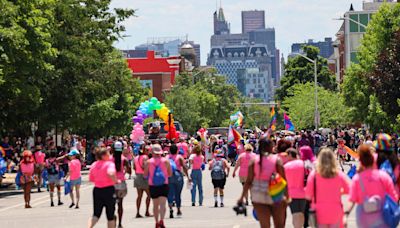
(363, 20)
(354, 26)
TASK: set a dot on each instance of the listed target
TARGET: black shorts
(298, 206)
(159, 191)
(104, 197)
(219, 183)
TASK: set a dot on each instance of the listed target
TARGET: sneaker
(72, 205)
(171, 214)
(52, 204)
(193, 204)
(216, 204)
(222, 204)
(39, 190)
(179, 213)
(60, 203)
(76, 207)
(139, 216)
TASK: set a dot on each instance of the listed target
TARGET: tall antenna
(220, 3)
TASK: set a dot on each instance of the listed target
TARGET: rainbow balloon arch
(146, 110)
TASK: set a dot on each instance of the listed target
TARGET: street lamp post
(316, 112)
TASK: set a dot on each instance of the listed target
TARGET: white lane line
(236, 226)
(37, 202)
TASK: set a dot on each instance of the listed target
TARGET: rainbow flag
(288, 123)
(272, 123)
(237, 118)
(234, 136)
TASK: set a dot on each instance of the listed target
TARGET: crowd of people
(301, 170)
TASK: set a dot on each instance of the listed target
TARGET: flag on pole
(234, 136)
(237, 118)
(273, 119)
(288, 123)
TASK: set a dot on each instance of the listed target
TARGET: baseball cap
(118, 146)
(73, 153)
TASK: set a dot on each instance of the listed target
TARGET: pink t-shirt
(245, 159)
(27, 168)
(184, 146)
(329, 196)
(39, 157)
(197, 162)
(294, 171)
(99, 173)
(176, 159)
(265, 172)
(376, 182)
(74, 169)
(139, 164)
(153, 163)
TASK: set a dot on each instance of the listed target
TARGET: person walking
(74, 174)
(371, 184)
(103, 174)
(243, 165)
(196, 161)
(176, 181)
(122, 166)
(295, 175)
(261, 171)
(158, 169)
(219, 168)
(53, 170)
(140, 183)
(39, 157)
(27, 170)
(325, 187)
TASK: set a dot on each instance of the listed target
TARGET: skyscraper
(253, 20)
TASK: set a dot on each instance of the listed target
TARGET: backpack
(181, 151)
(158, 176)
(217, 171)
(176, 174)
(387, 167)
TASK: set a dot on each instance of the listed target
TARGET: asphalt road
(13, 214)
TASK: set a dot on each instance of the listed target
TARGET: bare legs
(139, 202)
(27, 194)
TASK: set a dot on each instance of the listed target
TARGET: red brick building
(156, 72)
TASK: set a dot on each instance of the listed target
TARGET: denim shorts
(76, 182)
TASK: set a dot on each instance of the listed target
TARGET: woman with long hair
(27, 170)
(261, 170)
(103, 175)
(324, 189)
(196, 161)
(140, 183)
(243, 163)
(366, 184)
(122, 166)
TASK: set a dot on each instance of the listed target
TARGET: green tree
(26, 55)
(92, 85)
(367, 85)
(301, 106)
(299, 70)
(204, 100)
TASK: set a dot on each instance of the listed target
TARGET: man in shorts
(219, 171)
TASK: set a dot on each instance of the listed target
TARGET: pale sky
(294, 20)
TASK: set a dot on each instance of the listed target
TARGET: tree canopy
(299, 70)
(371, 86)
(301, 106)
(58, 67)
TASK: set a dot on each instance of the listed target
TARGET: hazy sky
(293, 20)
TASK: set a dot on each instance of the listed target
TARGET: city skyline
(292, 21)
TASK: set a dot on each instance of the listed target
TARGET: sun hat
(383, 142)
(118, 146)
(73, 152)
(156, 149)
